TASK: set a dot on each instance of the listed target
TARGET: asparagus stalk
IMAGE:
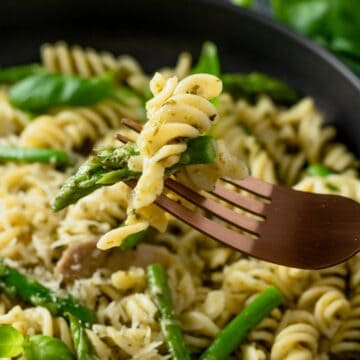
(160, 293)
(109, 166)
(29, 290)
(83, 348)
(250, 85)
(29, 155)
(237, 330)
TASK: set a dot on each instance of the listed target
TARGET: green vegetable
(334, 24)
(29, 290)
(42, 91)
(83, 348)
(106, 168)
(42, 347)
(250, 85)
(29, 155)
(208, 61)
(109, 166)
(160, 293)
(318, 170)
(231, 337)
(200, 150)
(11, 75)
(11, 341)
(332, 187)
(35, 347)
(133, 239)
(244, 3)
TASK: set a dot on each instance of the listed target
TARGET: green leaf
(244, 3)
(334, 24)
(11, 341)
(42, 91)
(42, 347)
(208, 62)
(13, 74)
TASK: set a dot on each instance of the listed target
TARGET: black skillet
(155, 31)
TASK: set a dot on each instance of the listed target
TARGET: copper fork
(291, 228)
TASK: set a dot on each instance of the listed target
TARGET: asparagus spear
(29, 155)
(83, 348)
(110, 166)
(250, 85)
(160, 293)
(230, 337)
(16, 284)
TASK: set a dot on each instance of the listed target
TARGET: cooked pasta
(177, 112)
(12, 119)
(210, 283)
(73, 128)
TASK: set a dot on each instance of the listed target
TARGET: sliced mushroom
(83, 259)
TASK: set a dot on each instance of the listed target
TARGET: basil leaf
(42, 91)
(42, 347)
(13, 74)
(11, 341)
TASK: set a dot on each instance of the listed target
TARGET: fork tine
(243, 202)
(254, 186)
(206, 226)
(241, 221)
(135, 125)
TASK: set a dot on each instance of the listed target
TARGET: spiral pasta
(87, 62)
(210, 283)
(37, 320)
(297, 337)
(101, 211)
(73, 128)
(12, 120)
(177, 111)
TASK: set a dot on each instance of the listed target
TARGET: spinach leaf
(11, 341)
(13, 74)
(41, 91)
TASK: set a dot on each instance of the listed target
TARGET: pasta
(210, 283)
(177, 111)
(71, 129)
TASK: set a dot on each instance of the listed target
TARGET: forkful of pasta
(173, 154)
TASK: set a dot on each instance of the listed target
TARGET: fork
(290, 227)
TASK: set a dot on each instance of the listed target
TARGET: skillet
(156, 31)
